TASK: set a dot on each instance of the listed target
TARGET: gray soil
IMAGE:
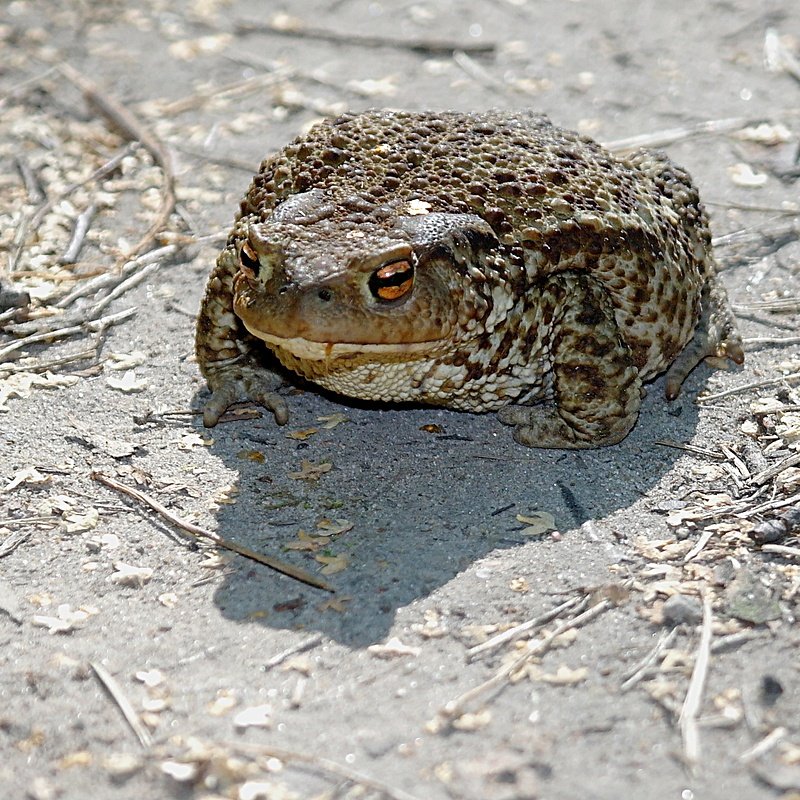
(103, 602)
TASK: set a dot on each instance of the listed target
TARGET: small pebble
(680, 609)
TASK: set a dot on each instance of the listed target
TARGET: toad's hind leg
(596, 386)
(716, 338)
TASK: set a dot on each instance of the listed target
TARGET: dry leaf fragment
(28, 475)
(471, 722)
(168, 599)
(765, 134)
(126, 361)
(394, 648)
(255, 456)
(564, 676)
(336, 604)
(21, 384)
(150, 678)
(189, 441)
(330, 421)
(128, 383)
(65, 621)
(77, 523)
(538, 523)
(743, 175)
(302, 434)
(310, 471)
(179, 771)
(189, 49)
(382, 87)
(224, 701)
(333, 564)
(334, 527)
(306, 542)
(254, 717)
(82, 758)
(128, 575)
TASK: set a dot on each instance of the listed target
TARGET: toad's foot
(716, 339)
(237, 380)
(596, 387)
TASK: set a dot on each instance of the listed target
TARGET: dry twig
(769, 473)
(114, 690)
(201, 533)
(638, 672)
(518, 630)
(781, 549)
(672, 135)
(455, 708)
(694, 694)
(295, 28)
(300, 647)
(790, 378)
(134, 131)
(324, 765)
(91, 326)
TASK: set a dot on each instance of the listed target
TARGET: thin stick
(114, 690)
(300, 647)
(518, 630)
(771, 472)
(21, 88)
(13, 541)
(694, 694)
(781, 549)
(9, 368)
(134, 131)
(108, 279)
(32, 186)
(772, 340)
(45, 336)
(39, 214)
(82, 223)
(784, 304)
(704, 539)
(777, 57)
(792, 376)
(456, 707)
(325, 765)
(691, 448)
(638, 672)
(671, 135)
(299, 30)
(764, 746)
(201, 533)
(770, 506)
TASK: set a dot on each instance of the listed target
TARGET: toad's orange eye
(248, 260)
(392, 281)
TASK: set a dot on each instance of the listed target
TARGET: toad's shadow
(425, 504)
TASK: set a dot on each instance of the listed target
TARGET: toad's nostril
(325, 295)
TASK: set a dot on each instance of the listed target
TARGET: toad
(476, 261)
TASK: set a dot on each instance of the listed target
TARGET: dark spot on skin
(589, 315)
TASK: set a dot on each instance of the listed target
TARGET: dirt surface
(676, 652)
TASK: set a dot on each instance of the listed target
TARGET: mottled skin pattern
(482, 262)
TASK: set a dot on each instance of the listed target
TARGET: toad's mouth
(309, 350)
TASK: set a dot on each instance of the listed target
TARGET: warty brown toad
(482, 262)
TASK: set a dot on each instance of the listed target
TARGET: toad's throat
(309, 350)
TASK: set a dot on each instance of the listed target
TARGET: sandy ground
(674, 652)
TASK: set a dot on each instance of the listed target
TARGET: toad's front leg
(596, 387)
(228, 356)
